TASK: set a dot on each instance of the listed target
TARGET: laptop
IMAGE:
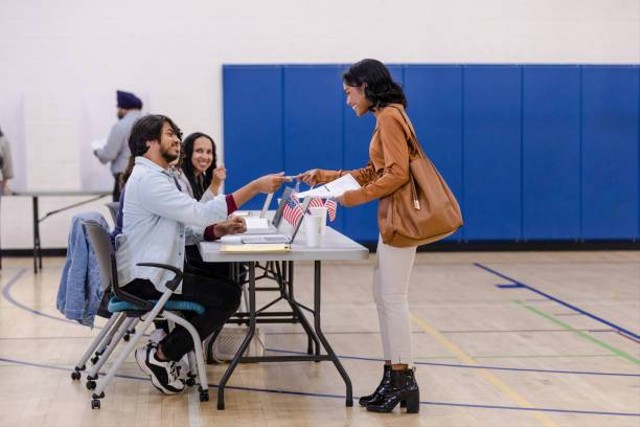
(283, 234)
(261, 225)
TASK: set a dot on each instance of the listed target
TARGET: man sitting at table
(158, 219)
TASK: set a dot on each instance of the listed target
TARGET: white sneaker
(164, 375)
(157, 335)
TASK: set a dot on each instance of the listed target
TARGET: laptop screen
(277, 217)
(305, 205)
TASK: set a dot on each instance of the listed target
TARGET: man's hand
(233, 225)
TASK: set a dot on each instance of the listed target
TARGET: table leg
(0, 234)
(247, 339)
(325, 343)
(37, 250)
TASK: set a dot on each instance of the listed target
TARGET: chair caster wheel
(95, 359)
(190, 382)
(126, 337)
(204, 396)
(95, 404)
(91, 385)
(75, 375)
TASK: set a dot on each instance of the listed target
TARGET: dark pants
(217, 293)
(116, 187)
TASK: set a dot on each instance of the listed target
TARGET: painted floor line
(617, 352)
(6, 293)
(213, 386)
(486, 374)
(559, 301)
(494, 368)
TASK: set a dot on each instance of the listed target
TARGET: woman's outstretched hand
(310, 177)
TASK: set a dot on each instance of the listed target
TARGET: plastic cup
(322, 213)
(312, 224)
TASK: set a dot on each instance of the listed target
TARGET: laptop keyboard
(265, 239)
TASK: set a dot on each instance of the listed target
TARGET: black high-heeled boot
(403, 388)
(382, 387)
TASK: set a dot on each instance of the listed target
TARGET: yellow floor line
(487, 375)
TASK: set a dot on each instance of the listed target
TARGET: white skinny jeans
(390, 292)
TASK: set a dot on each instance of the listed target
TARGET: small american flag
(292, 211)
(331, 206)
(316, 202)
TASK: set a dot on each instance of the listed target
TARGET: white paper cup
(322, 213)
(312, 226)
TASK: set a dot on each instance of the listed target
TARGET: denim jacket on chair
(80, 288)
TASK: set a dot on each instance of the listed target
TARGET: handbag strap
(413, 140)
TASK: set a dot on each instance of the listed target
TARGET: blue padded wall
(551, 152)
(610, 152)
(491, 202)
(533, 152)
(313, 120)
(253, 125)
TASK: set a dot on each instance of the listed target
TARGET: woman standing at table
(370, 89)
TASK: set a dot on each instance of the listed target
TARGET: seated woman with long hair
(200, 176)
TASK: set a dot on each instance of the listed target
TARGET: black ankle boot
(403, 388)
(385, 383)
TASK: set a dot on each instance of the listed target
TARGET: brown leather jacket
(388, 167)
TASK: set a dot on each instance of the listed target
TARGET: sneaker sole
(141, 358)
(160, 387)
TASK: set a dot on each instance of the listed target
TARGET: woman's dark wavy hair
(147, 128)
(187, 164)
(381, 90)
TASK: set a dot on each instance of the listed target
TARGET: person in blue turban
(127, 101)
(116, 149)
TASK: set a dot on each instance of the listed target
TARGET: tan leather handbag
(422, 211)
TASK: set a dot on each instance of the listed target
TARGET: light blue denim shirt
(158, 220)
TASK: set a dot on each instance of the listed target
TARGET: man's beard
(169, 157)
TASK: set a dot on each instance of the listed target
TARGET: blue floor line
(342, 397)
(454, 365)
(6, 293)
(559, 301)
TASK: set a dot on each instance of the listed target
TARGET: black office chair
(129, 310)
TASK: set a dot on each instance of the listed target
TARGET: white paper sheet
(334, 188)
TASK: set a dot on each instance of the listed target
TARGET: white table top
(333, 246)
(61, 193)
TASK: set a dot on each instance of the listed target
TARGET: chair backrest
(113, 209)
(101, 244)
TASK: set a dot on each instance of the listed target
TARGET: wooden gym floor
(500, 339)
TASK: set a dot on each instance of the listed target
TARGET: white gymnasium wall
(61, 62)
